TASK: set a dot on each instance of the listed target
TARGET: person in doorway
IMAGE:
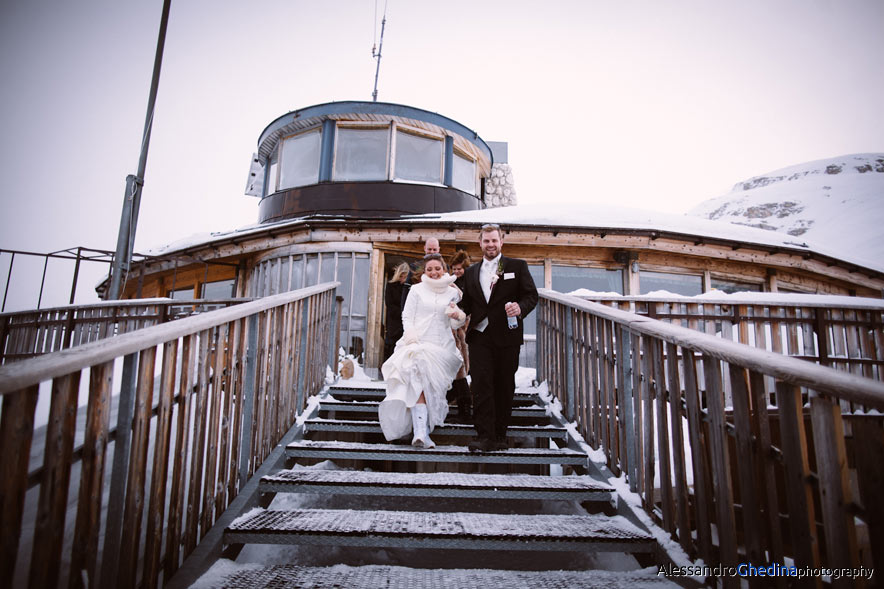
(425, 359)
(393, 302)
(498, 293)
(431, 246)
(460, 388)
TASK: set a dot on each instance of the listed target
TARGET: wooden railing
(25, 334)
(792, 469)
(847, 336)
(203, 401)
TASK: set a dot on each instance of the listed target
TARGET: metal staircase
(447, 500)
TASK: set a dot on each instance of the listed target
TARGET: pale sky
(646, 104)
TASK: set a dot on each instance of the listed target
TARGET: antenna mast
(377, 56)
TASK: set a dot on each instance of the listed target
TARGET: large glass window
(221, 289)
(731, 286)
(682, 284)
(361, 154)
(463, 174)
(418, 158)
(300, 160)
(567, 279)
(349, 268)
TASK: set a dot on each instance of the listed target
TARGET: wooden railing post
(302, 351)
(248, 404)
(333, 341)
(627, 426)
(834, 486)
(569, 363)
(16, 435)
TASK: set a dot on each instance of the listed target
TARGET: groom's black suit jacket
(514, 285)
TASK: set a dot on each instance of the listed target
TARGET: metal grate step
(327, 450)
(439, 484)
(533, 411)
(373, 576)
(412, 529)
(377, 393)
(446, 429)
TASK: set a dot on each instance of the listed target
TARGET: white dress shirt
(488, 269)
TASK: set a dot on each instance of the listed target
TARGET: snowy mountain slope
(835, 204)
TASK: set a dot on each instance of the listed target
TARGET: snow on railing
(845, 333)
(790, 471)
(25, 334)
(190, 431)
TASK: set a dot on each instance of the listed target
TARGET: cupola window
(418, 158)
(361, 154)
(299, 158)
(463, 174)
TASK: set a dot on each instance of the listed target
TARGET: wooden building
(350, 189)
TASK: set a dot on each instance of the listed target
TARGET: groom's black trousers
(492, 376)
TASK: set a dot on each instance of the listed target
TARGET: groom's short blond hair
(488, 228)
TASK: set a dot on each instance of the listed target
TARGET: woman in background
(425, 359)
(460, 388)
(393, 301)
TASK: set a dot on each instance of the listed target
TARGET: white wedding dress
(425, 358)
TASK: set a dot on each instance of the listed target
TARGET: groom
(494, 290)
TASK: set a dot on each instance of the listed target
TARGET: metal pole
(76, 275)
(132, 197)
(42, 281)
(8, 278)
(374, 95)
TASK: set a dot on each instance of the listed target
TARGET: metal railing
(789, 472)
(203, 401)
(25, 334)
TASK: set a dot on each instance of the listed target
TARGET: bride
(425, 360)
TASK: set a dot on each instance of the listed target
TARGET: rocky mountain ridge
(836, 204)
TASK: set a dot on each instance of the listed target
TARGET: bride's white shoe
(419, 426)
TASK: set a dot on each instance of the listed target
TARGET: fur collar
(438, 285)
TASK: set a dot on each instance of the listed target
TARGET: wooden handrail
(34, 370)
(759, 298)
(845, 386)
(741, 454)
(202, 401)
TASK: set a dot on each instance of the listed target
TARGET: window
(221, 289)
(463, 174)
(681, 284)
(182, 294)
(730, 286)
(349, 268)
(530, 322)
(567, 279)
(271, 175)
(299, 156)
(418, 158)
(361, 154)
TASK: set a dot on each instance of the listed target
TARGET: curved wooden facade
(288, 255)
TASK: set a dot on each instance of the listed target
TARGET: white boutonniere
(496, 276)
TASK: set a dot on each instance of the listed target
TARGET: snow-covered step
(372, 576)
(533, 411)
(376, 394)
(446, 429)
(437, 484)
(330, 450)
(411, 529)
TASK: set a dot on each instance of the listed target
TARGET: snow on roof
(584, 217)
